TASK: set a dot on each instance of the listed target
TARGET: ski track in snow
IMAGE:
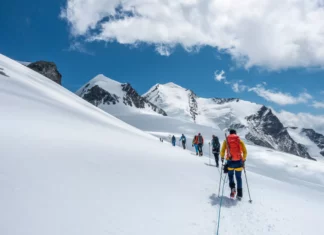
(67, 168)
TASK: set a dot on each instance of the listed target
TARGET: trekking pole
(220, 180)
(209, 152)
(247, 184)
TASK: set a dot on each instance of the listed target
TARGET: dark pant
(216, 155)
(235, 167)
(200, 149)
(238, 176)
(184, 145)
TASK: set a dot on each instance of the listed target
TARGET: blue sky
(33, 30)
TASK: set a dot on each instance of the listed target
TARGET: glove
(192, 145)
(222, 160)
(243, 164)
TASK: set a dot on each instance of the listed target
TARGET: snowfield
(68, 168)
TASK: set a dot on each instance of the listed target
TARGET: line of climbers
(182, 140)
(235, 151)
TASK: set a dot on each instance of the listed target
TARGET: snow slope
(312, 148)
(66, 167)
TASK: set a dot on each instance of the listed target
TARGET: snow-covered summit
(173, 99)
(116, 98)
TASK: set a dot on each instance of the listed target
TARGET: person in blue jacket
(183, 140)
(173, 140)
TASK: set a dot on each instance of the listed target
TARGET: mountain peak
(103, 78)
(115, 97)
(173, 85)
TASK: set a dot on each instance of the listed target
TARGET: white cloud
(274, 34)
(302, 120)
(279, 97)
(219, 76)
(274, 96)
(238, 87)
(318, 105)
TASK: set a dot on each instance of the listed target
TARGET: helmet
(198, 133)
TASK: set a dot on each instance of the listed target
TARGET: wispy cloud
(220, 75)
(263, 35)
(237, 87)
(164, 50)
(280, 98)
(318, 105)
(79, 47)
(271, 95)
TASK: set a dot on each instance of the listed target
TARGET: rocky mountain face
(265, 129)
(133, 98)
(96, 96)
(193, 105)
(102, 91)
(3, 73)
(317, 138)
(48, 69)
(225, 100)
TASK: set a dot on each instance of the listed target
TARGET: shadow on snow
(226, 201)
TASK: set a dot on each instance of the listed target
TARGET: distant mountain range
(254, 122)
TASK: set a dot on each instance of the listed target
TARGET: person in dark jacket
(173, 139)
(183, 141)
(215, 149)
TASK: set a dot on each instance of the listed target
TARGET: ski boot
(233, 192)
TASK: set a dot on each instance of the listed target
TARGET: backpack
(215, 144)
(234, 145)
(200, 139)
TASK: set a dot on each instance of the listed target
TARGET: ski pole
(220, 180)
(247, 184)
(209, 152)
